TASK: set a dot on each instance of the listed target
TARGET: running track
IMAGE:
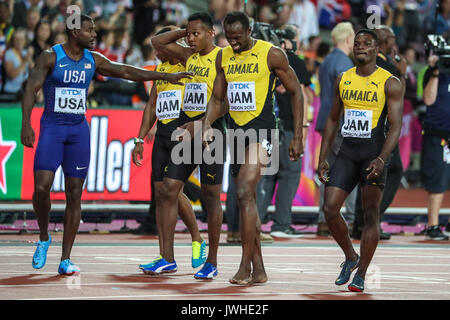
(406, 267)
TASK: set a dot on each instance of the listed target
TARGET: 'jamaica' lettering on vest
(243, 68)
(199, 71)
(359, 95)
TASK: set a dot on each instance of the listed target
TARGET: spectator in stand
(147, 14)
(304, 16)
(442, 25)
(33, 18)
(6, 31)
(60, 38)
(416, 126)
(266, 15)
(436, 143)
(218, 10)
(323, 50)
(313, 45)
(58, 24)
(42, 38)
(411, 137)
(176, 12)
(284, 13)
(50, 10)
(20, 12)
(17, 63)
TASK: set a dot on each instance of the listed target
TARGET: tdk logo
(71, 92)
(193, 86)
(239, 86)
(356, 113)
(168, 94)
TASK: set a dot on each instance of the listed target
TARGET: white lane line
(216, 281)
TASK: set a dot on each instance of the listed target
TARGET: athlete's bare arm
(394, 91)
(107, 67)
(216, 108)
(44, 65)
(166, 44)
(330, 130)
(147, 122)
(279, 64)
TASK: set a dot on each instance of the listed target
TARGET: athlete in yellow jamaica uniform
(246, 72)
(366, 95)
(164, 104)
(200, 58)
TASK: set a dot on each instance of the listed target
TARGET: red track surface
(403, 268)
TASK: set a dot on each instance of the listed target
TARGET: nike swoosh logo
(81, 168)
(63, 65)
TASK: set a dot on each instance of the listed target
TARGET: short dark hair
(83, 18)
(237, 16)
(370, 32)
(163, 30)
(204, 17)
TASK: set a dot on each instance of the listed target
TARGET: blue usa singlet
(66, 88)
(64, 134)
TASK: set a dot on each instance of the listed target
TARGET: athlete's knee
(41, 191)
(168, 191)
(331, 211)
(245, 194)
(371, 215)
(73, 195)
(211, 196)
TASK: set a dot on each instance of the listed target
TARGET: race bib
(70, 100)
(195, 97)
(241, 96)
(446, 154)
(357, 123)
(168, 104)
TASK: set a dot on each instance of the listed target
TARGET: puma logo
(375, 84)
(255, 55)
(212, 176)
(210, 61)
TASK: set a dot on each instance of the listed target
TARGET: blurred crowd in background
(124, 29)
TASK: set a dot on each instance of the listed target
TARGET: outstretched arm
(279, 64)
(330, 130)
(167, 44)
(109, 68)
(148, 119)
(34, 83)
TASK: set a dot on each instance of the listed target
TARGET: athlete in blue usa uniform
(65, 72)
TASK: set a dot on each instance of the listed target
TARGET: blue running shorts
(65, 145)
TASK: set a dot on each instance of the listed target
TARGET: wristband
(138, 140)
(381, 160)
